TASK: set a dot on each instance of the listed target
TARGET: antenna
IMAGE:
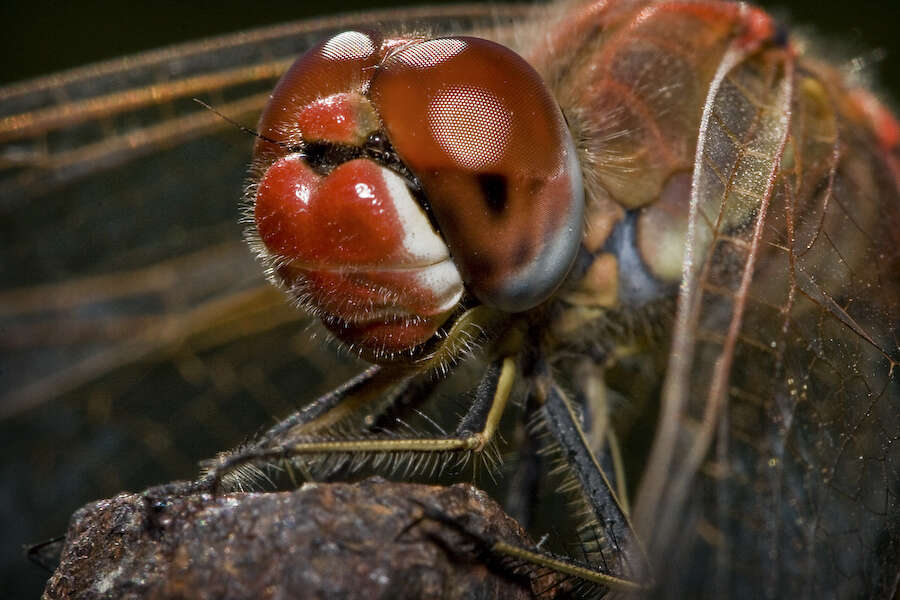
(243, 128)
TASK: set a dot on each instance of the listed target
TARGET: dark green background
(43, 36)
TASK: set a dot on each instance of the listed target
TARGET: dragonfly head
(397, 178)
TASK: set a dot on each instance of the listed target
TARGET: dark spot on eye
(494, 189)
(522, 255)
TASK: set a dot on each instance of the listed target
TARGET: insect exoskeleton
(404, 181)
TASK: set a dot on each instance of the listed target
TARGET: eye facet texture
(479, 129)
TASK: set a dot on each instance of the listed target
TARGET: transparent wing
(777, 462)
(114, 167)
(138, 336)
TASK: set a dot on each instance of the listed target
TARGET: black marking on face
(495, 190)
(323, 157)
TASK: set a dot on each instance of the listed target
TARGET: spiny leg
(630, 569)
(369, 393)
(322, 411)
(563, 423)
(300, 435)
(525, 482)
(474, 433)
(630, 572)
(535, 562)
(340, 404)
(592, 399)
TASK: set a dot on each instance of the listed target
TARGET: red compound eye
(341, 225)
(480, 130)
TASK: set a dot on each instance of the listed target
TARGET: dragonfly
(777, 388)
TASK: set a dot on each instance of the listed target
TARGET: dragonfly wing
(113, 175)
(776, 463)
(138, 335)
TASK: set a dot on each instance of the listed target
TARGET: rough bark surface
(365, 540)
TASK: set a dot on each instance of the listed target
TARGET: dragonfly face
(776, 428)
(495, 167)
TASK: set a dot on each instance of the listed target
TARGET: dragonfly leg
(473, 434)
(591, 396)
(525, 481)
(337, 405)
(531, 559)
(626, 566)
(369, 393)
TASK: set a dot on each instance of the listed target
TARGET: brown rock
(365, 540)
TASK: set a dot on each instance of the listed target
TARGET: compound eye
(327, 79)
(479, 129)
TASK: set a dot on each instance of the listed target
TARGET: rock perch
(366, 540)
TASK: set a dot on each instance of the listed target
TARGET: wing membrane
(112, 168)
(138, 334)
(780, 403)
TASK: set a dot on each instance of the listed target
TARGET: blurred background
(153, 415)
(42, 36)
